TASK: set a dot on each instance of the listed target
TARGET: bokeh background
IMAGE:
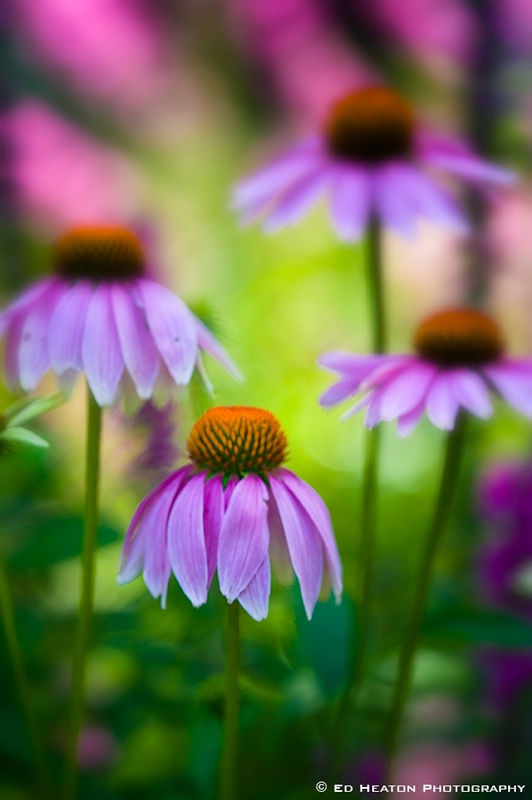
(147, 113)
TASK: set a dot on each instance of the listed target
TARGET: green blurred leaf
(23, 436)
(467, 625)
(56, 539)
(19, 412)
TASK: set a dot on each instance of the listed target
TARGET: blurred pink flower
(441, 763)
(108, 48)
(309, 61)
(97, 748)
(62, 175)
(432, 30)
(514, 19)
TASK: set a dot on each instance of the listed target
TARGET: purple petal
(33, 357)
(454, 156)
(12, 346)
(426, 199)
(350, 203)
(304, 543)
(138, 348)
(471, 392)
(389, 187)
(244, 537)
(279, 553)
(339, 392)
(407, 423)
(66, 328)
(186, 540)
(442, 404)
(264, 185)
(356, 408)
(153, 529)
(173, 329)
(292, 206)
(405, 391)
(389, 367)
(350, 365)
(255, 597)
(100, 348)
(318, 513)
(513, 380)
(211, 345)
(213, 512)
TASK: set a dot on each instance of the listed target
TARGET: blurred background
(147, 113)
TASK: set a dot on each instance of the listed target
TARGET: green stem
(361, 634)
(229, 762)
(86, 604)
(451, 464)
(24, 689)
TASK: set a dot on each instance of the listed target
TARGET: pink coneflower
(459, 357)
(229, 510)
(368, 157)
(101, 315)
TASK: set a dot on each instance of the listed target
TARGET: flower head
(232, 509)
(102, 315)
(459, 357)
(368, 157)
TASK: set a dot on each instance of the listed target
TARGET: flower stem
(228, 773)
(451, 465)
(86, 604)
(362, 624)
(23, 685)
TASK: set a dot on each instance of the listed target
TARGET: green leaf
(469, 625)
(56, 540)
(23, 436)
(33, 409)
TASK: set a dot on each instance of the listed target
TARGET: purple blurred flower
(106, 48)
(459, 357)
(368, 158)
(62, 176)
(231, 510)
(505, 559)
(99, 314)
(296, 43)
(160, 450)
(97, 748)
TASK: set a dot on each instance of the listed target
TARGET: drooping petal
(428, 200)
(186, 540)
(513, 380)
(100, 347)
(11, 353)
(303, 541)
(339, 392)
(471, 392)
(244, 537)
(172, 327)
(350, 203)
(66, 328)
(154, 531)
(442, 404)
(213, 512)
(255, 597)
(175, 479)
(33, 356)
(318, 513)
(294, 203)
(404, 391)
(454, 156)
(211, 346)
(279, 553)
(140, 355)
(349, 365)
(391, 203)
(265, 184)
(408, 422)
